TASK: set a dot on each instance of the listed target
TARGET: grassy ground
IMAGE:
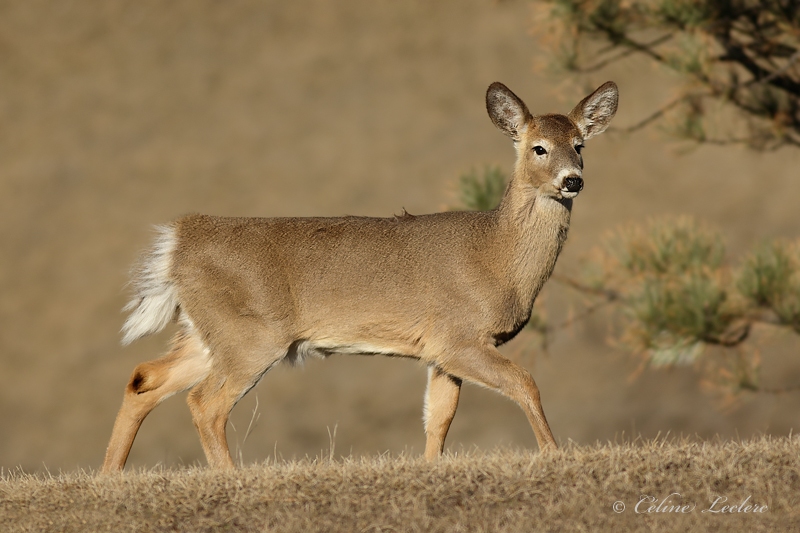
(575, 489)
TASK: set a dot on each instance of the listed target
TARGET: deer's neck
(535, 228)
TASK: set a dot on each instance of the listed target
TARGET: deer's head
(549, 146)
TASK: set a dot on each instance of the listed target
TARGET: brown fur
(445, 288)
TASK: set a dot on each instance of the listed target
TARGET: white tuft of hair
(155, 300)
(426, 408)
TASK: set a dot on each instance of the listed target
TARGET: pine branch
(759, 41)
(624, 40)
(794, 58)
(653, 116)
(585, 313)
(625, 53)
(736, 54)
(608, 294)
(769, 390)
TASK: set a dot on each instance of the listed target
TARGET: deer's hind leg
(237, 370)
(186, 364)
(441, 402)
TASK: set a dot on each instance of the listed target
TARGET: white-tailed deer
(444, 288)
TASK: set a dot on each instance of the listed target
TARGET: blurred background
(115, 116)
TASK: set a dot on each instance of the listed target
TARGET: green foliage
(742, 53)
(667, 247)
(483, 191)
(770, 278)
(684, 14)
(689, 124)
(672, 314)
(672, 286)
(679, 295)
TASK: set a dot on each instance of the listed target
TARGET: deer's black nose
(573, 184)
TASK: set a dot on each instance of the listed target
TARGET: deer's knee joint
(533, 390)
(523, 389)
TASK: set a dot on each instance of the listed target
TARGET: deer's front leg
(486, 366)
(441, 401)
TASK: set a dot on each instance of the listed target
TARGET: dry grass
(573, 489)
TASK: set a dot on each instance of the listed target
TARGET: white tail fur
(155, 302)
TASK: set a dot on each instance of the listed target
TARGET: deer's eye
(539, 150)
(578, 148)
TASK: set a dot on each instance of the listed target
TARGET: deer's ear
(506, 110)
(593, 114)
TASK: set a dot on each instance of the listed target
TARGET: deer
(446, 289)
